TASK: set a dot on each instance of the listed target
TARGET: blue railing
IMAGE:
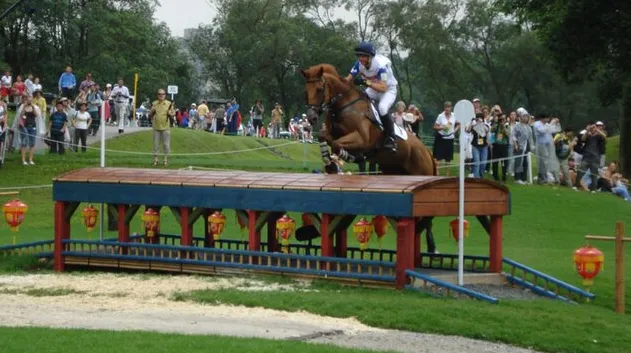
(552, 286)
(242, 259)
(449, 286)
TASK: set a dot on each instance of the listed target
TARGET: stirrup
(390, 144)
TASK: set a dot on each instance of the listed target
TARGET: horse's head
(318, 89)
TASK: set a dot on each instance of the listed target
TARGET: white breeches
(385, 100)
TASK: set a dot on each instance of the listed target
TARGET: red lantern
(306, 221)
(363, 230)
(455, 232)
(14, 211)
(151, 222)
(216, 224)
(381, 227)
(285, 227)
(90, 216)
(589, 262)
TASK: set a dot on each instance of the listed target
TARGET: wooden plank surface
(431, 189)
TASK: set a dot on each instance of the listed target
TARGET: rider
(375, 72)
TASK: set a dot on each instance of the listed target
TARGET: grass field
(546, 225)
(80, 341)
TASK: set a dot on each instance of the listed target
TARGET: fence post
(529, 157)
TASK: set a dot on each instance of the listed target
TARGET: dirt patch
(142, 302)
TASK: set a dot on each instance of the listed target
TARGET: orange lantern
(381, 227)
(589, 262)
(14, 211)
(455, 232)
(363, 230)
(151, 222)
(90, 216)
(285, 227)
(306, 221)
(216, 224)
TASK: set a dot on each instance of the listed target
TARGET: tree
(589, 39)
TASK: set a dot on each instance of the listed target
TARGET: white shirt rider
(380, 70)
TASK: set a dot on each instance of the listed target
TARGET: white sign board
(172, 89)
(464, 112)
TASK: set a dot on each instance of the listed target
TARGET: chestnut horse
(352, 132)
(351, 129)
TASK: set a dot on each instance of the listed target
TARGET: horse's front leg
(352, 141)
(325, 140)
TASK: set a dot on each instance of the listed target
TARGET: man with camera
(593, 139)
(161, 113)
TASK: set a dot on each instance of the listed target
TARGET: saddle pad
(398, 131)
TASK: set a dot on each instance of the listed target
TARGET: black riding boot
(388, 126)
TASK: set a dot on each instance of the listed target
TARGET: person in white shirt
(6, 82)
(81, 124)
(30, 88)
(36, 85)
(120, 95)
(375, 72)
(445, 129)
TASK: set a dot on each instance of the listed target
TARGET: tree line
(109, 38)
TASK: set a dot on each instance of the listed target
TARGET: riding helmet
(365, 48)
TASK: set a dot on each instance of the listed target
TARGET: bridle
(324, 106)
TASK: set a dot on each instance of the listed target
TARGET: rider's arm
(379, 86)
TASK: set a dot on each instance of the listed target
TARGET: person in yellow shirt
(202, 115)
(40, 102)
(161, 114)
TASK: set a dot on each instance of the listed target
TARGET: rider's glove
(359, 80)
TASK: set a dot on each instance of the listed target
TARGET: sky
(181, 14)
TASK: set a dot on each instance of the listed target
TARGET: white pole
(529, 159)
(461, 209)
(102, 126)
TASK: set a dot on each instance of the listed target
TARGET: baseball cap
(476, 100)
(599, 123)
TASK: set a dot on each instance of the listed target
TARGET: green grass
(21, 339)
(544, 229)
(545, 325)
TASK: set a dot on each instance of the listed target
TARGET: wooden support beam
(261, 219)
(315, 219)
(495, 244)
(327, 240)
(619, 240)
(272, 242)
(243, 217)
(62, 231)
(131, 212)
(486, 223)
(405, 250)
(195, 215)
(71, 207)
(340, 223)
(112, 217)
(176, 214)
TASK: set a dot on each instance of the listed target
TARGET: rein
(324, 107)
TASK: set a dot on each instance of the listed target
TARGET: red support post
(341, 243)
(254, 236)
(62, 232)
(405, 250)
(495, 244)
(187, 230)
(123, 227)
